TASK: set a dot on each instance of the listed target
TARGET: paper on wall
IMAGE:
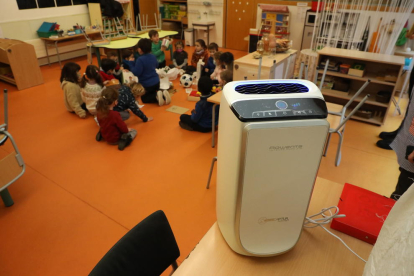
(301, 13)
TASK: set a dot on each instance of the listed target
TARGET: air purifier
(271, 137)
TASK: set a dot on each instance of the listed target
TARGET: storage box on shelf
(375, 68)
(18, 64)
(173, 10)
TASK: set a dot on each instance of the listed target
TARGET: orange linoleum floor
(79, 196)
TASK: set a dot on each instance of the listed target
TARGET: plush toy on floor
(166, 74)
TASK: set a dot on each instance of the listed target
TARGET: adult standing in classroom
(388, 137)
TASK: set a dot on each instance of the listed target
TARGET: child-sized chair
(337, 120)
(12, 166)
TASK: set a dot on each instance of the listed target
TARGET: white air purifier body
(270, 142)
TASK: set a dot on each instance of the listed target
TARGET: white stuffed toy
(166, 74)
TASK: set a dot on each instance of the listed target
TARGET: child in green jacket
(157, 49)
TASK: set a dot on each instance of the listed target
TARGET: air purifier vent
(271, 88)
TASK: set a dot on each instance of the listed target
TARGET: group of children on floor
(109, 105)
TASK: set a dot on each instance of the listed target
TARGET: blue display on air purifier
(281, 105)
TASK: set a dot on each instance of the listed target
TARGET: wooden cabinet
(377, 66)
(18, 64)
(273, 67)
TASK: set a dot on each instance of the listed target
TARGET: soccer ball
(186, 80)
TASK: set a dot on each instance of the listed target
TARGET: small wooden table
(216, 100)
(202, 26)
(316, 253)
(54, 41)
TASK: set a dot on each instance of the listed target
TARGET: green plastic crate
(45, 29)
(46, 34)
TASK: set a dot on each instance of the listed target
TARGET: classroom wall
(23, 24)
(196, 12)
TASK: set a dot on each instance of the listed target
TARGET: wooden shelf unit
(364, 79)
(270, 23)
(375, 65)
(173, 14)
(19, 58)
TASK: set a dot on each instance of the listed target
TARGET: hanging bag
(112, 8)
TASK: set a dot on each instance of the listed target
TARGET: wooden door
(239, 20)
(148, 8)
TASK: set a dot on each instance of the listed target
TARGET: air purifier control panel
(279, 109)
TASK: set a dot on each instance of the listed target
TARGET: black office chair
(146, 250)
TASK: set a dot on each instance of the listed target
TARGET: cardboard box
(365, 213)
(357, 70)
(391, 76)
(193, 96)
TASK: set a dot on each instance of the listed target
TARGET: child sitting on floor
(215, 76)
(69, 82)
(107, 69)
(128, 97)
(180, 57)
(200, 52)
(226, 76)
(227, 59)
(157, 49)
(127, 56)
(91, 88)
(201, 117)
(118, 69)
(112, 128)
(211, 65)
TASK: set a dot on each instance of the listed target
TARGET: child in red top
(113, 129)
(200, 52)
(118, 69)
(107, 70)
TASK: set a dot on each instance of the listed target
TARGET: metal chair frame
(10, 160)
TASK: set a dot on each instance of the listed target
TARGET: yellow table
(316, 253)
(161, 34)
(118, 45)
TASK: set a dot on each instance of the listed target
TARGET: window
(34, 4)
